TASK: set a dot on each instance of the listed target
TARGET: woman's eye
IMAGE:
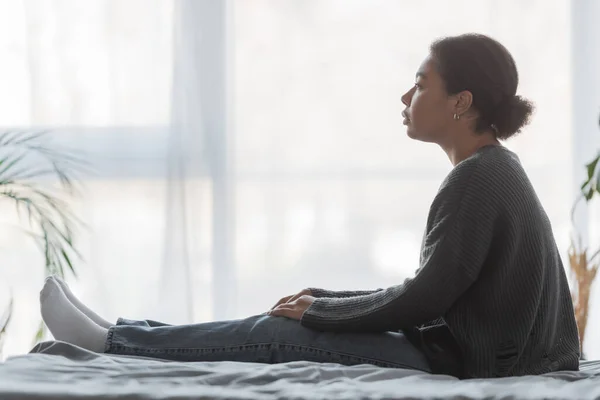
(417, 86)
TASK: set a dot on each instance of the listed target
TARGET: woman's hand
(287, 299)
(294, 307)
(290, 307)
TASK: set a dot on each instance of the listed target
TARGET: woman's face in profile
(428, 111)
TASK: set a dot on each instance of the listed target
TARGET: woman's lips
(406, 119)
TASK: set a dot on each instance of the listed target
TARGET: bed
(58, 370)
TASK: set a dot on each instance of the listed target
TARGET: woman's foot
(82, 307)
(66, 322)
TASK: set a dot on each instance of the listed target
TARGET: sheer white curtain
(99, 75)
(330, 191)
(248, 149)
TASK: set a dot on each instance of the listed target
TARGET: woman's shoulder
(488, 163)
(490, 171)
(489, 157)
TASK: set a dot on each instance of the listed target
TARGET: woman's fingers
(292, 298)
(293, 309)
(296, 297)
(282, 301)
(287, 312)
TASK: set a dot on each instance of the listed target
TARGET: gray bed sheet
(57, 370)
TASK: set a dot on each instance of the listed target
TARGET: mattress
(58, 370)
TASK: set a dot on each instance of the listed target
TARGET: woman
(490, 298)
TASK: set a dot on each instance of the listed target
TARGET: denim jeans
(261, 339)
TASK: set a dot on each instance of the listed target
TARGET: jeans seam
(109, 338)
(225, 349)
(360, 359)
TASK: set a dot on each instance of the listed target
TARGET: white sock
(66, 322)
(82, 307)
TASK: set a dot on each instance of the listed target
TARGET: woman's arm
(322, 293)
(459, 234)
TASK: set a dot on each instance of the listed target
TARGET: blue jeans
(261, 339)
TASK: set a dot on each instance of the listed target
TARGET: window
(315, 182)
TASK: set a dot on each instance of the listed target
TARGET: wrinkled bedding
(57, 370)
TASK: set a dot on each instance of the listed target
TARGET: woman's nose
(406, 97)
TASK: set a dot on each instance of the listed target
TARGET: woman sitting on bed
(490, 298)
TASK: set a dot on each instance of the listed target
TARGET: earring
(456, 117)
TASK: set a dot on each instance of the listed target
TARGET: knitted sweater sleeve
(341, 294)
(457, 240)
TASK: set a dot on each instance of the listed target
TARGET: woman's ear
(463, 102)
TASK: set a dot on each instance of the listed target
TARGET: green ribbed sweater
(490, 274)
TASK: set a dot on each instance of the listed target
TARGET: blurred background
(242, 150)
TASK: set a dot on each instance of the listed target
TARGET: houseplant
(38, 178)
(584, 267)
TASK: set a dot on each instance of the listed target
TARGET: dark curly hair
(484, 67)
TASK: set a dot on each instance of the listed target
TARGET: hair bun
(511, 115)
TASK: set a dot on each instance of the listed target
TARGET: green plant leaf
(11, 163)
(41, 332)
(584, 184)
(589, 194)
(27, 137)
(6, 138)
(591, 167)
(68, 261)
